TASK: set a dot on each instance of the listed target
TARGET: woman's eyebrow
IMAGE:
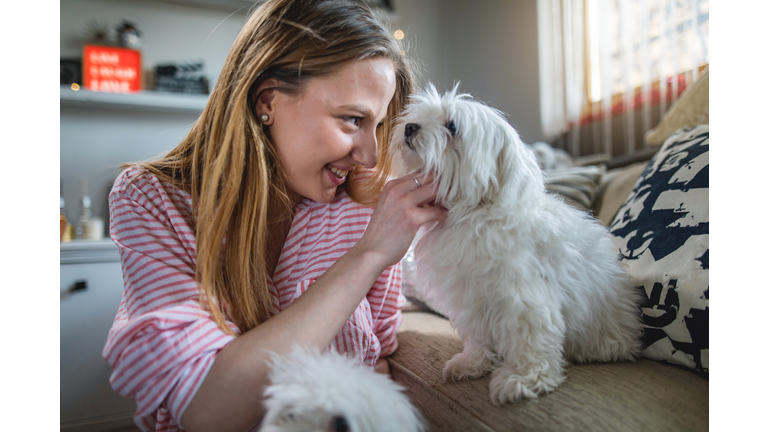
(363, 110)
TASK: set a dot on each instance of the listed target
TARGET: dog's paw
(508, 385)
(466, 366)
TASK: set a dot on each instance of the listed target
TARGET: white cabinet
(87, 402)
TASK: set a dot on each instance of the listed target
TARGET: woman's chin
(326, 196)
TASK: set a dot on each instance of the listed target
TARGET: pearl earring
(264, 118)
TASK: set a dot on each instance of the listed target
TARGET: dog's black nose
(410, 128)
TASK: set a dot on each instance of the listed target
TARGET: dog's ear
(517, 172)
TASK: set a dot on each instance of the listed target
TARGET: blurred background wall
(490, 46)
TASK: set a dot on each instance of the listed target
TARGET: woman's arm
(162, 342)
(230, 397)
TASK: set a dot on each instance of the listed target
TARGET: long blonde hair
(228, 164)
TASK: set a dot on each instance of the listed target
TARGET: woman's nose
(366, 153)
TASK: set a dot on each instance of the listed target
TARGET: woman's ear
(262, 101)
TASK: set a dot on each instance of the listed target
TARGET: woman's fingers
(423, 190)
(414, 181)
(425, 194)
(423, 179)
(430, 214)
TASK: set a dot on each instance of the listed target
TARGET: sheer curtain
(561, 59)
(616, 65)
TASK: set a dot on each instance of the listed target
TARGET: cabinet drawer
(86, 398)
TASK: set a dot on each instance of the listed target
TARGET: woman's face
(323, 132)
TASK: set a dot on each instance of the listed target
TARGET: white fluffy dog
(329, 392)
(526, 280)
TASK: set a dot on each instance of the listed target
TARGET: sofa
(667, 388)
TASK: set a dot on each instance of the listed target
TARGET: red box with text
(111, 69)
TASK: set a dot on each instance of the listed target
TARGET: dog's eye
(285, 418)
(451, 127)
(339, 424)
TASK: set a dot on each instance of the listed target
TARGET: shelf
(88, 251)
(143, 100)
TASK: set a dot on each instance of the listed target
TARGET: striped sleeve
(162, 342)
(387, 301)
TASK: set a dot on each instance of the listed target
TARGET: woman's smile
(336, 175)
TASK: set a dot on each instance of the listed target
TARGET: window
(634, 43)
(604, 58)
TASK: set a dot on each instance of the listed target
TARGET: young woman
(258, 232)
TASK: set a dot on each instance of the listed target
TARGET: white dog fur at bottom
(526, 280)
(330, 392)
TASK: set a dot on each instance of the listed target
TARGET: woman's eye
(354, 120)
(379, 125)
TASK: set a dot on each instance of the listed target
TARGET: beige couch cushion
(614, 189)
(640, 396)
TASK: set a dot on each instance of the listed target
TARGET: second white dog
(331, 392)
(526, 280)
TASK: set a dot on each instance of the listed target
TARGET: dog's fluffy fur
(526, 280)
(310, 391)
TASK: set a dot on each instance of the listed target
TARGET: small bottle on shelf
(89, 227)
(62, 212)
(85, 210)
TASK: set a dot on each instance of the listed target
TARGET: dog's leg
(473, 362)
(532, 356)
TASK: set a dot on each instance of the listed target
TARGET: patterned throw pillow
(662, 235)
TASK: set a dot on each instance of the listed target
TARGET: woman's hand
(382, 367)
(401, 211)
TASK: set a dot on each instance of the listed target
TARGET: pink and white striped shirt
(162, 342)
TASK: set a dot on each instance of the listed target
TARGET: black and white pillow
(662, 235)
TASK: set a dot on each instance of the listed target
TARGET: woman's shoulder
(138, 184)
(139, 178)
(134, 177)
